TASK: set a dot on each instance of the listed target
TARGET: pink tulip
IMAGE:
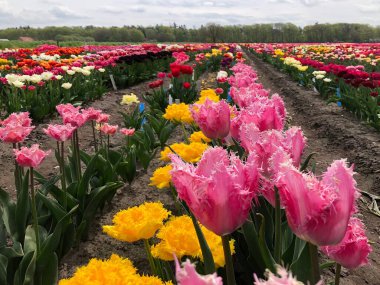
(72, 115)
(60, 132)
(92, 114)
(66, 108)
(281, 278)
(212, 118)
(266, 114)
(187, 275)
(127, 132)
(21, 119)
(76, 119)
(14, 133)
(318, 211)
(108, 129)
(220, 190)
(30, 157)
(352, 252)
(103, 118)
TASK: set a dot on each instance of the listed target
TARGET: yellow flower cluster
(178, 236)
(4, 61)
(199, 137)
(295, 63)
(208, 93)
(188, 152)
(129, 99)
(135, 223)
(278, 52)
(161, 177)
(214, 52)
(113, 271)
(178, 113)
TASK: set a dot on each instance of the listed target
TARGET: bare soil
(334, 133)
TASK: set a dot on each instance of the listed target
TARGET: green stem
(278, 233)
(150, 257)
(185, 135)
(337, 273)
(34, 211)
(78, 154)
(229, 264)
(63, 175)
(94, 136)
(18, 176)
(315, 274)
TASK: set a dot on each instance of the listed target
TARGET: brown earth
(334, 133)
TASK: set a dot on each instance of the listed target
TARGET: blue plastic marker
(229, 98)
(141, 107)
(339, 95)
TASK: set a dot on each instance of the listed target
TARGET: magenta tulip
(352, 252)
(30, 157)
(213, 118)
(60, 132)
(220, 190)
(318, 211)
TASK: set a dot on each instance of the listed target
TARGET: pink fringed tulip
(281, 278)
(20, 119)
(103, 118)
(318, 211)
(219, 191)
(30, 157)
(72, 115)
(60, 132)
(108, 129)
(352, 252)
(212, 118)
(187, 275)
(127, 132)
(92, 114)
(14, 133)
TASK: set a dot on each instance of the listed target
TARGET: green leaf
(89, 172)
(30, 269)
(96, 197)
(206, 252)
(54, 207)
(50, 271)
(302, 266)
(51, 243)
(305, 164)
(11, 252)
(3, 269)
(8, 213)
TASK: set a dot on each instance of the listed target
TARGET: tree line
(278, 32)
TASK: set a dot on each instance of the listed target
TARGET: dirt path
(334, 133)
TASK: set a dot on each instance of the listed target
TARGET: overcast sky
(39, 13)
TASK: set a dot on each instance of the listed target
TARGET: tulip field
(182, 165)
(348, 74)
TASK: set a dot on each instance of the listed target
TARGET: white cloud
(185, 12)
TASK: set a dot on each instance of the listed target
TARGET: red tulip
(186, 85)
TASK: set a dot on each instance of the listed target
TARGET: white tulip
(66, 85)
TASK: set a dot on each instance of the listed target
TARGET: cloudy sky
(39, 13)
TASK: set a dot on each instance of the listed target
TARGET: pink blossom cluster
(220, 189)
